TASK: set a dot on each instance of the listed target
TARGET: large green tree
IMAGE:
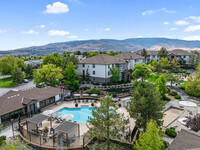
(171, 78)
(162, 52)
(29, 71)
(68, 59)
(54, 58)
(17, 75)
(144, 54)
(161, 85)
(146, 104)
(164, 62)
(115, 75)
(48, 73)
(175, 64)
(151, 139)
(71, 77)
(106, 123)
(141, 71)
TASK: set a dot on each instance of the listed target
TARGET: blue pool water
(80, 114)
(127, 100)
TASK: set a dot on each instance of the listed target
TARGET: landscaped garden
(7, 82)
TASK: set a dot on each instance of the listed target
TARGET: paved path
(23, 86)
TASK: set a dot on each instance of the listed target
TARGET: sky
(27, 23)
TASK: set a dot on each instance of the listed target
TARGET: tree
(146, 104)
(164, 62)
(162, 52)
(171, 78)
(144, 54)
(151, 139)
(194, 59)
(48, 73)
(194, 123)
(68, 59)
(93, 54)
(175, 64)
(141, 70)
(17, 75)
(158, 68)
(71, 76)
(67, 53)
(161, 85)
(105, 122)
(115, 75)
(29, 70)
(77, 53)
(87, 76)
(193, 88)
(17, 144)
(54, 58)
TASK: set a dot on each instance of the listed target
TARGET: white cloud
(2, 31)
(58, 33)
(191, 38)
(193, 28)
(41, 26)
(165, 23)
(190, 7)
(72, 36)
(30, 32)
(107, 29)
(194, 18)
(139, 36)
(181, 22)
(57, 8)
(173, 29)
(150, 12)
(86, 30)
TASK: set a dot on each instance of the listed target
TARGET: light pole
(12, 127)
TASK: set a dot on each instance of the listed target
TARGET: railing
(54, 142)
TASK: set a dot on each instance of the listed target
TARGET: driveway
(23, 86)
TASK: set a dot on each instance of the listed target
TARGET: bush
(192, 88)
(182, 86)
(173, 93)
(165, 98)
(93, 91)
(177, 97)
(2, 138)
(104, 84)
(97, 83)
(171, 132)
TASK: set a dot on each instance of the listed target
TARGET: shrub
(97, 83)
(165, 98)
(2, 138)
(192, 88)
(171, 132)
(173, 93)
(93, 91)
(177, 97)
(182, 86)
(104, 84)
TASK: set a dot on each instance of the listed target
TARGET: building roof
(14, 100)
(129, 55)
(179, 52)
(38, 118)
(66, 126)
(102, 59)
(186, 140)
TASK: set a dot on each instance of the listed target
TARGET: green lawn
(7, 82)
(153, 77)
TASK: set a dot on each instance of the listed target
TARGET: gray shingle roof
(102, 59)
(186, 140)
(129, 55)
(66, 126)
(38, 119)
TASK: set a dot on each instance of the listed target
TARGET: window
(93, 65)
(83, 65)
(83, 72)
(93, 72)
(108, 66)
(183, 56)
(108, 72)
(112, 65)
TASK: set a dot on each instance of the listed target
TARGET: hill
(132, 44)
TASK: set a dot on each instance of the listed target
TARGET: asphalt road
(23, 86)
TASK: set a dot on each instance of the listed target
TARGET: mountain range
(131, 44)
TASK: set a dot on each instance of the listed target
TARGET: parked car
(41, 85)
(25, 80)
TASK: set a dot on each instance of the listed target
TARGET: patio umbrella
(56, 114)
(68, 116)
(48, 112)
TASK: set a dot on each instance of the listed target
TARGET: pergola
(70, 129)
(36, 120)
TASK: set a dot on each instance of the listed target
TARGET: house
(33, 63)
(99, 67)
(186, 140)
(28, 101)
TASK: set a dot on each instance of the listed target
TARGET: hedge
(173, 93)
(93, 91)
(177, 97)
(171, 132)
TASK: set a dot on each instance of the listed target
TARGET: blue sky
(37, 22)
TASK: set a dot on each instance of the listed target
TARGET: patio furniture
(52, 135)
(79, 101)
(51, 130)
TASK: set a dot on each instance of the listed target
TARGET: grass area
(153, 77)
(7, 82)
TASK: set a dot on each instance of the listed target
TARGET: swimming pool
(127, 100)
(80, 114)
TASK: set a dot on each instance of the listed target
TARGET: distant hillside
(105, 45)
